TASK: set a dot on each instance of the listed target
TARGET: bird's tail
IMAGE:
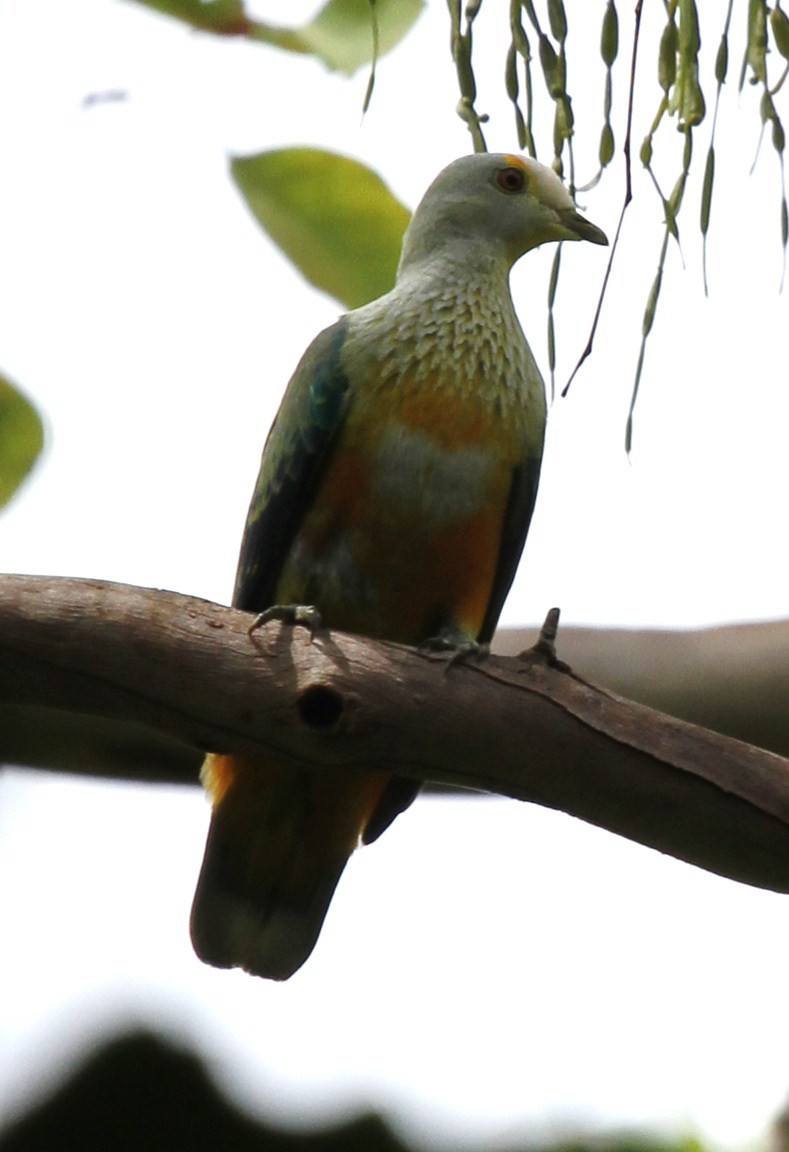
(279, 839)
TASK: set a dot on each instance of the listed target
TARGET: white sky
(486, 965)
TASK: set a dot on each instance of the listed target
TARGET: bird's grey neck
(459, 275)
(466, 259)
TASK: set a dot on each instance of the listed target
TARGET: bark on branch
(139, 660)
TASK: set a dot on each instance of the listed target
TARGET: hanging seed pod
(689, 36)
(779, 26)
(722, 60)
(652, 299)
(552, 67)
(609, 47)
(706, 191)
(756, 49)
(609, 35)
(688, 99)
(552, 286)
(557, 18)
(511, 74)
(667, 57)
(513, 91)
(721, 70)
(606, 150)
(692, 108)
(522, 48)
(563, 121)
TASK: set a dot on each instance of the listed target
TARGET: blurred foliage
(334, 218)
(222, 17)
(341, 34)
(140, 1093)
(21, 439)
(344, 34)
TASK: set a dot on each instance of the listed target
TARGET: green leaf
(223, 17)
(334, 218)
(21, 439)
(341, 34)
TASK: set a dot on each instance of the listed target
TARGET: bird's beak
(581, 227)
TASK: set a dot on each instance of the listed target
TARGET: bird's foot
(454, 647)
(305, 614)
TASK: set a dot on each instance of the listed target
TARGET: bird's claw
(453, 649)
(305, 614)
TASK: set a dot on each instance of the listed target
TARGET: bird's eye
(511, 179)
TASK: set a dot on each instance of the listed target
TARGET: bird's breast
(404, 531)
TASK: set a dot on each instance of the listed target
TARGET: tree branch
(732, 678)
(521, 727)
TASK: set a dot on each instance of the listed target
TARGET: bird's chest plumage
(403, 535)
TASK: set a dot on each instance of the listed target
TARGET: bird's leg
(454, 645)
(304, 614)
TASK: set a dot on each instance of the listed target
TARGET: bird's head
(496, 203)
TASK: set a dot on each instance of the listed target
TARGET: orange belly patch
(404, 532)
(386, 569)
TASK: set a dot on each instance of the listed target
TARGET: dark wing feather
(294, 456)
(517, 517)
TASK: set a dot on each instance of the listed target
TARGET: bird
(395, 492)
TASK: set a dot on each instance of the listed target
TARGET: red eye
(511, 179)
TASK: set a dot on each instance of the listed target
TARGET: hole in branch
(320, 707)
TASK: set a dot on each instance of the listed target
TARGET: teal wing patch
(294, 456)
(517, 517)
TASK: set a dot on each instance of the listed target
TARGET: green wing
(517, 518)
(294, 457)
(293, 460)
